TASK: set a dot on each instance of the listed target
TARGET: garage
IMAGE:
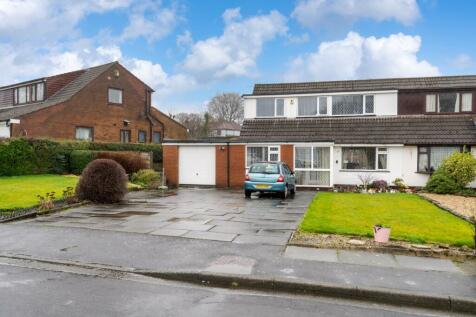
(4, 130)
(197, 165)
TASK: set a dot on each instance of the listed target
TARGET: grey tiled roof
(61, 96)
(411, 130)
(365, 85)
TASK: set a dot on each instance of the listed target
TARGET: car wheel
(293, 191)
(247, 193)
(285, 193)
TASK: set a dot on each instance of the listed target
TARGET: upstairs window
(309, 106)
(114, 96)
(270, 107)
(467, 102)
(352, 104)
(29, 93)
(449, 102)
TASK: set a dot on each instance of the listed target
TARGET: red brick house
(106, 103)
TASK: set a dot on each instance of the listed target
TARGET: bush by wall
(147, 178)
(130, 161)
(36, 156)
(78, 159)
(441, 183)
(102, 181)
(460, 166)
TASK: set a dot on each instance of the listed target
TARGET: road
(32, 289)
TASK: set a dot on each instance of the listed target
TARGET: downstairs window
(431, 157)
(364, 158)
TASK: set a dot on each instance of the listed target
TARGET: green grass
(20, 191)
(411, 218)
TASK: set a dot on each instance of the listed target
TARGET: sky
(191, 50)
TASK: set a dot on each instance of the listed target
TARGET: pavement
(433, 280)
(26, 291)
(207, 214)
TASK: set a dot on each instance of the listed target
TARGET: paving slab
(232, 265)
(207, 235)
(169, 232)
(426, 264)
(247, 238)
(188, 225)
(323, 255)
(367, 258)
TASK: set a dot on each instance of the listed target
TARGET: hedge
(37, 156)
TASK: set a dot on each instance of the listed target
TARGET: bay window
(431, 157)
(260, 153)
(364, 158)
(312, 165)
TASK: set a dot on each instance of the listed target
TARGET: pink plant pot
(381, 234)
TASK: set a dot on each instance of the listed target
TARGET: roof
(410, 130)
(207, 140)
(366, 85)
(62, 95)
(159, 115)
(225, 125)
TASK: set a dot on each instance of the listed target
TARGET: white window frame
(312, 169)
(434, 98)
(365, 105)
(378, 150)
(269, 152)
(276, 108)
(457, 103)
(353, 115)
(121, 95)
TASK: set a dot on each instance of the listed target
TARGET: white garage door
(4, 131)
(197, 165)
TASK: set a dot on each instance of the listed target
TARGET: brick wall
(287, 154)
(221, 162)
(237, 166)
(90, 108)
(171, 164)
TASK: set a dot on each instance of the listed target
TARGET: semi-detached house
(330, 133)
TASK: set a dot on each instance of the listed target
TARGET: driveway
(209, 214)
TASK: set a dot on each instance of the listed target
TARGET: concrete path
(207, 214)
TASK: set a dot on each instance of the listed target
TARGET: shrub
(441, 183)
(78, 159)
(461, 167)
(400, 184)
(130, 161)
(380, 185)
(102, 181)
(147, 178)
(16, 158)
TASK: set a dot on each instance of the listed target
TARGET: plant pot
(381, 234)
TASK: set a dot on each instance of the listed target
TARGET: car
(270, 177)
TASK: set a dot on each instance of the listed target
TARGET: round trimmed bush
(102, 181)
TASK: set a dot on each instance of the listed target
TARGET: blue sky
(188, 51)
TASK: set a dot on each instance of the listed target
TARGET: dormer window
(270, 107)
(29, 93)
(449, 102)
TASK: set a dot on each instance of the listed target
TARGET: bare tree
(226, 107)
(193, 122)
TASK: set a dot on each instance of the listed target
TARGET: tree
(193, 122)
(226, 107)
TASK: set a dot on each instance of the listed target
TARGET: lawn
(411, 218)
(21, 191)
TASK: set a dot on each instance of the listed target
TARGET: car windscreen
(264, 168)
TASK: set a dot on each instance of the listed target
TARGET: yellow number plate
(262, 186)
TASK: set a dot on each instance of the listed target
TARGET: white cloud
(185, 39)
(462, 61)
(314, 13)
(358, 57)
(234, 53)
(151, 21)
(48, 20)
(231, 15)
